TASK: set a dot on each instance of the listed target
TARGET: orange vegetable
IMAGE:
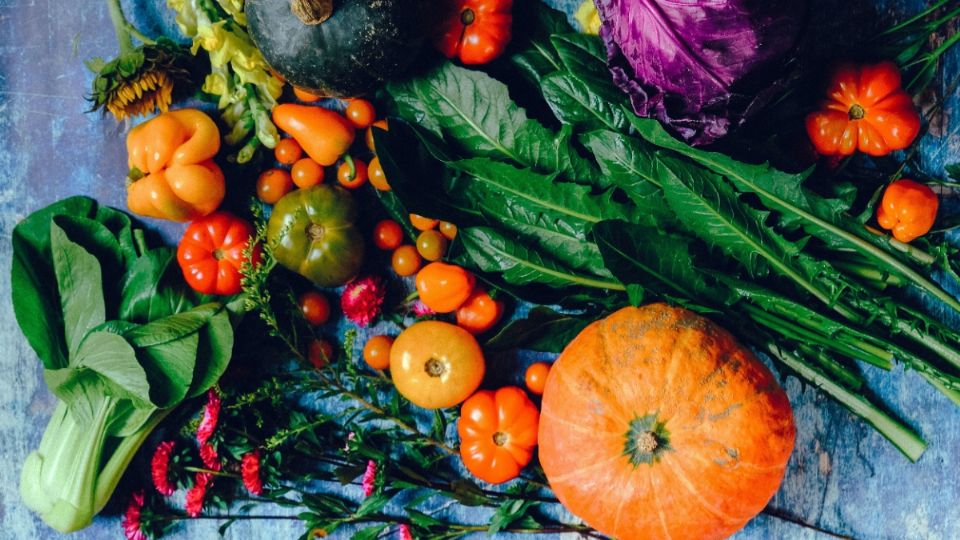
(656, 419)
(908, 209)
(476, 31)
(377, 178)
(444, 287)
(211, 253)
(380, 124)
(288, 151)
(448, 230)
(273, 184)
(305, 96)
(422, 223)
(405, 260)
(315, 307)
(172, 173)
(431, 245)
(387, 234)
(436, 364)
(865, 110)
(352, 173)
(536, 377)
(376, 352)
(323, 134)
(360, 113)
(498, 432)
(479, 313)
(306, 173)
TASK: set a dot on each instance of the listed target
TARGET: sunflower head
(141, 81)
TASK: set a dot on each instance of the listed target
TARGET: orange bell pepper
(908, 209)
(172, 173)
(323, 134)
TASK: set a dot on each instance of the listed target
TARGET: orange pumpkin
(656, 423)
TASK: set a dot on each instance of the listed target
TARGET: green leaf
(509, 512)
(172, 327)
(543, 329)
(491, 251)
(583, 106)
(374, 503)
(475, 111)
(369, 533)
(213, 353)
(583, 54)
(170, 367)
(536, 56)
(152, 288)
(468, 492)
(954, 171)
(422, 520)
(81, 288)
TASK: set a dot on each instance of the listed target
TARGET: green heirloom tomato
(312, 232)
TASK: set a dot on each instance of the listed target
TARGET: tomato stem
(348, 159)
(856, 112)
(467, 17)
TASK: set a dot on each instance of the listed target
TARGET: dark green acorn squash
(338, 48)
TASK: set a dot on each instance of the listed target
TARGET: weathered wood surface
(843, 477)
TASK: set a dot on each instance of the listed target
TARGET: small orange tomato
(320, 353)
(306, 173)
(352, 173)
(498, 432)
(421, 223)
(431, 245)
(315, 307)
(406, 261)
(479, 313)
(908, 209)
(288, 151)
(444, 287)
(436, 364)
(376, 352)
(305, 96)
(382, 124)
(536, 377)
(387, 234)
(449, 230)
(360, 113)
(377, 178)
(273, 184)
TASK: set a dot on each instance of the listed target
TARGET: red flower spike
(131, 517)
(160, 468)
(362, 299)
(197, 494)
(210, 415)
(250, 472)
(369, 478)
(404, 532)
(208, 454)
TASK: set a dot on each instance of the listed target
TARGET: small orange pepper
(323, 134)
(172, 173)
(479, 313)
(444, 287)
(908, 209)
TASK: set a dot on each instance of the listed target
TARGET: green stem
(120, 27)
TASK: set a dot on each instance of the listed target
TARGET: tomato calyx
(348, 159)
(218, 254)
(467, 17)
(856, 112)
(435, 368)
(500, 438)
(316, 232)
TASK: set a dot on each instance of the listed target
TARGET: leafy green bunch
(122, 341)
(607, 209)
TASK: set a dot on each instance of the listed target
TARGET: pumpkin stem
(646, 440)
(312, 11)
(856, 112)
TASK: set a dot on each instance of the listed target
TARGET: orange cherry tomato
(306, 173)
(352, 173)
(376, 352)
(498, 432)
(360, 113)
(381, 124)
(305, 96)
(865, 110)
(320, 353)
(421, 223)
(323, 134)
(449, 230)
(436, 364)
(536, 377)
(431, 245)
(406, 261)
(377, 178)
(273, 184)
(288, 151)
(315, 307)
(908, 209)
(479, 313)
(211, 253)
(387, 234)
(444, 287)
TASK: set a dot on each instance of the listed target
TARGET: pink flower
(421, 310)
(197, 493)
(160, 468)
(404, 532)
(362, 298)
(350, 438)
(210, 415)
(131, 517)
(369, 478)
(250, 472)
(208, 454)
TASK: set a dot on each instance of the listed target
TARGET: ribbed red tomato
(211, 253)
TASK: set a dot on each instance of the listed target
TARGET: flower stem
(124, 30)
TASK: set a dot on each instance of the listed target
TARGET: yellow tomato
(436, 364)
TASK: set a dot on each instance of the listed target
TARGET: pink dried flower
(362, 299)
(208, 454)
(197, 493)
(421, 310)
(350, 438)
(404, 532)
(160, 468)
(131, 518)
(369, 478)
(250, 472)
(210, 415)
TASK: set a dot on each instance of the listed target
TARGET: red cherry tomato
(387, 234)
(315, 307)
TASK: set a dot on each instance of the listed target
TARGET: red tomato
(360, 113)
(315, 307)
(387, 235)
(211, 253)
(288, 151)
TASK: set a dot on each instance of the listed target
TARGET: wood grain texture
(842, 477)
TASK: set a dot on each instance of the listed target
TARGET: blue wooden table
(843, 477)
